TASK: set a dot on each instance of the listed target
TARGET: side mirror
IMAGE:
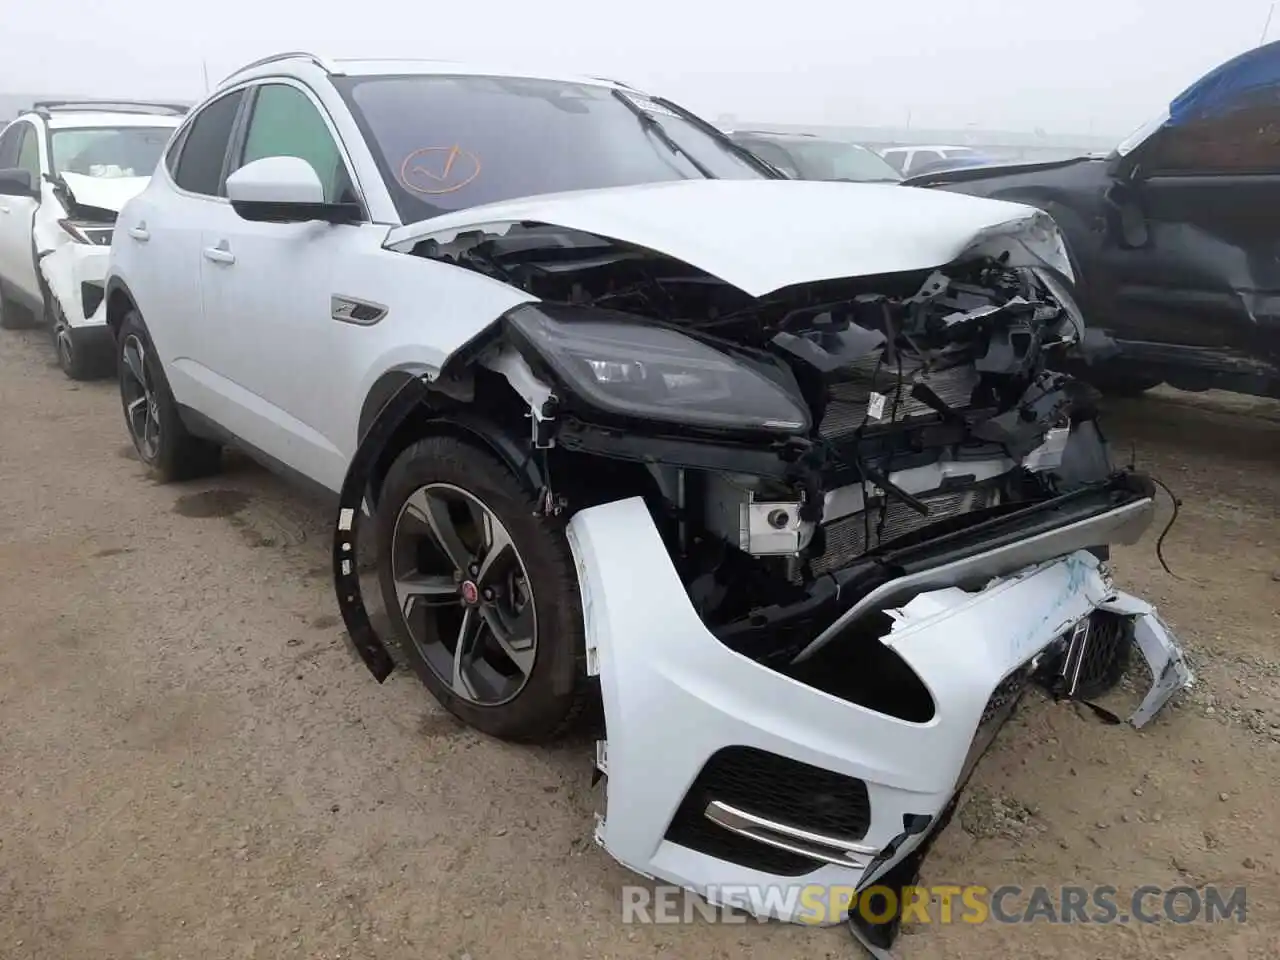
(284, 190)
(17, 183)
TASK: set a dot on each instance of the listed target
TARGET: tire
(162, 440)
(443, 477)
(80, 357)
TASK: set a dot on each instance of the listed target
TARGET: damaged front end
(73, 244)
(825, 536)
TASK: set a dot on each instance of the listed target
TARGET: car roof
(388, 67)
(103, 118)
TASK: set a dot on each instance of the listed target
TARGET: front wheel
(482, 593)
(81, 353)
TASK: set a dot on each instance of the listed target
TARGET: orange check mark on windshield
(451, 157)
(438, 170)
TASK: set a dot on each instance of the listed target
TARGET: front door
(281, 357)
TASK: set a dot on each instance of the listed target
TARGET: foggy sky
(1071, 66)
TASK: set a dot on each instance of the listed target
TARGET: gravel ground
(193, 765)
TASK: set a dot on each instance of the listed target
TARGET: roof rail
(320, 62)
(45, 107)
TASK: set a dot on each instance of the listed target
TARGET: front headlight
(95, 234)
(652, 373)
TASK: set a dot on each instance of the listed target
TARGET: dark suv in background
(1175, 234)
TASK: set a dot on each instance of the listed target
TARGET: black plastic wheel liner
(900, 878)
(355, 486)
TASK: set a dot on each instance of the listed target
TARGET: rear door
(1197, 220)
(158, 239)
(20, 147)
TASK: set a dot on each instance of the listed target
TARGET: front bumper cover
(76, 276)
(675, 697)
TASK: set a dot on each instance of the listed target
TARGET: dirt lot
(193, 765)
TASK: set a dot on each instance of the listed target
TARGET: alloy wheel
(62, 341)
(464, 594)
(141, 405)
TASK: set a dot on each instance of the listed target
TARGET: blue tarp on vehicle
(1222, 86)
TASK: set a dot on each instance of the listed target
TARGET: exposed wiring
(1177, 503)
(862, 469)
(888, 467)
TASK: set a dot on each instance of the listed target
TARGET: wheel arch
(120, 301)
(437, 415)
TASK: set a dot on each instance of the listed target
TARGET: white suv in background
(66, 169)
(911, 160)
(774, 470)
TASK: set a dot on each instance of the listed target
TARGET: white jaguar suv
(777, 472)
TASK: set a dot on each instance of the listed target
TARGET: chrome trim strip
(843, 853)
(1123, 525)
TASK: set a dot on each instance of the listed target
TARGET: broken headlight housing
(645, 372)
(92, 233)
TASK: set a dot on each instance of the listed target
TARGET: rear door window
(29, 152)
(10, 140)
(204, 147)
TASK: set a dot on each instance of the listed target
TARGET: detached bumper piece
(722, 773)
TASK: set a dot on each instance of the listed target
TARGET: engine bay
(874, 412)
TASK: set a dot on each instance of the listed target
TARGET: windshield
(108, 151)
(444, 143)
(830, 160)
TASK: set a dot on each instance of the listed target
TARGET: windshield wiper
(718, 135)
(651, 125)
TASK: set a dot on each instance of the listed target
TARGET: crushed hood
(109, 193)
(763, 235)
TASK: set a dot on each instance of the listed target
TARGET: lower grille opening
(857, 667)
(1106, 656)
(776, 788)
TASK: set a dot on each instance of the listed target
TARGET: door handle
(140, 233)
(220, 254)
(4, 208)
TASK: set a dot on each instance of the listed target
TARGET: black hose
(1177, 503)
